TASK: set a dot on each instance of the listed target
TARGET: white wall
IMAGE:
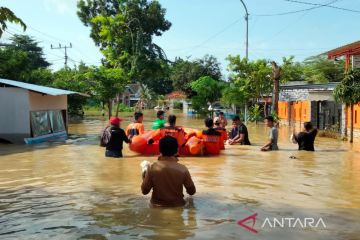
(14, 111)
(38, 102)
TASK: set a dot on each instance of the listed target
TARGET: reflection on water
(71, 191)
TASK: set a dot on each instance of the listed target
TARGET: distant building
(32, 113)
(300, 102)
(131, 96)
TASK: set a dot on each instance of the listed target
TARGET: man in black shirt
(239, 133)
(115, 145)
(306, 138)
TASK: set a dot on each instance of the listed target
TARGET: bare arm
(189, 184)
(147, 184)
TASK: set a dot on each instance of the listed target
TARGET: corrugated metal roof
(325, 86)
(37, 88)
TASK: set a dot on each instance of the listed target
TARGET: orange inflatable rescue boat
(194, 144)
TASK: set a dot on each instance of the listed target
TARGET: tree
(124, 31)
(249, 81)
(319, 69)
(6, 15)
(208, 90)
(21, 58)
(251, 78)
(183, 72)
(158, 78)
(291, 70)
(73, 80)
(276, 75)
(106, 83)
(348, 92)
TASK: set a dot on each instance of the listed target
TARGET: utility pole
(63, 47)
(247, 29)
(247, 49)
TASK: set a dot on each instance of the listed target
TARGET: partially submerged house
(351, 53)
(131, 96)
(300, 102)
(32, 113)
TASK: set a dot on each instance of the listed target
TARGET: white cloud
(62, 7)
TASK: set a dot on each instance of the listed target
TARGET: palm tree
(6, 15)
(146, 95)
(348, 92)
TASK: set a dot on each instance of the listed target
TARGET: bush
(123, 108)
(178, 105)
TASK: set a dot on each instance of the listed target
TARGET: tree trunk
(110, 107)
(118, 106)
(265, 109)
(276, 96)
(346, 120)
(117, 109)
(351, 122)
(246, 113)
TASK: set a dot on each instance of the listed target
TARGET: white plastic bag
(144, 167)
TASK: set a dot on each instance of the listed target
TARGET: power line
(65, 47)
(215, 35)
(79, 53)
(329, 6)
(296, 11)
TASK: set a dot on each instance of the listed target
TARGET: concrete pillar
(185, 106)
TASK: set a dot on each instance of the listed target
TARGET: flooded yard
(71, 191)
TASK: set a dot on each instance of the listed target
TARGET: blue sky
(202, 27)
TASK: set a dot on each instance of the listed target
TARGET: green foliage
(183, 72)
(178, 105)
(255, 113)
(207, 89)
(6, 15)
(319, 69)
(249, 80)
(24, 61)
(124, 31)
(348, 91)
(123, 108)
(291, 70)
(106, 83)
(71, 79)
(275, 116)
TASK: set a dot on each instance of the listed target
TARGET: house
(131, 96)
(32, 113)
(351, 53)
(300, 102)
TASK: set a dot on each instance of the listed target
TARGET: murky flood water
(71, 191)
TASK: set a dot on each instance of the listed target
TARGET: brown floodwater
(71, 191)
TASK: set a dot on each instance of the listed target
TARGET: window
(355, 116)
(46, 122)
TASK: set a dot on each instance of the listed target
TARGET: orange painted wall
(283, 110)
(356, 116)
(301, 111)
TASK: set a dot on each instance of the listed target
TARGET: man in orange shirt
(137, 127)
(211, 138)
(172, 130)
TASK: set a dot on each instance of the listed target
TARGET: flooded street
(71, 191)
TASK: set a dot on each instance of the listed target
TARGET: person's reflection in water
(171, 223)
